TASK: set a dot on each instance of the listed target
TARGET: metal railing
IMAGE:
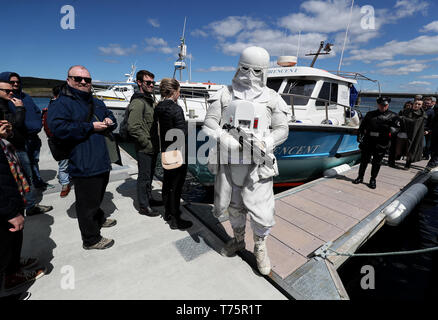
(326, 105)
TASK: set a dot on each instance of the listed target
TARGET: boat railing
(326, 106)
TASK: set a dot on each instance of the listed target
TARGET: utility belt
(375, 134)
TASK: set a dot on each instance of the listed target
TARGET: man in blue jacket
(33, 125)
(81, 122)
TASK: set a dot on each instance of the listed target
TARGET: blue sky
(400, 48)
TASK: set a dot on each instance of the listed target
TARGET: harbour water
(396, 277)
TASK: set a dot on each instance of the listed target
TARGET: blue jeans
(27, 171)
(63, 176)
(33, 147)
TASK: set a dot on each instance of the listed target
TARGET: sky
(393, 41)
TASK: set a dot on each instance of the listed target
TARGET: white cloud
(432, 76)
(156, 41)
(158, 45)
(217, 69)
(154, 22)
(419, 83)
(231, 26)
(199, 33)
(117, 50)
(423, 45)
(433, 26)
(403, 70)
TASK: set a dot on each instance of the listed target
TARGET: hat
(383, 100)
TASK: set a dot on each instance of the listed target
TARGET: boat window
(275, 83)
(329, 91)
(300, 87)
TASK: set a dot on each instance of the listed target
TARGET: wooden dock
(327, 211)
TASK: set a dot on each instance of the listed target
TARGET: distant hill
(40, 87)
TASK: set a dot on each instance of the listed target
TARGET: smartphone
(2, 115)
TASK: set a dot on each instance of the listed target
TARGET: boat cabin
(313, 94)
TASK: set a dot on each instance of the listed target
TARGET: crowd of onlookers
(79, 132)
(414, 140)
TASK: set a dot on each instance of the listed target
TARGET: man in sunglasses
(80, 121)
(142, 130)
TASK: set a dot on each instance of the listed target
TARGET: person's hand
(17, 222)
(17, 102)
(426, 133)
(99, 126)
(108, 122)
(5, 129)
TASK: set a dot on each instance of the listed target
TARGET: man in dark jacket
(16, 115)
(33, 125)
(12, 269)
(375, 138)
(81, 121)
(142, 129)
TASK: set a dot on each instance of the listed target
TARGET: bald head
(79, 77)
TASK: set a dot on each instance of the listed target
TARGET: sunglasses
(79, 79)
(13, 82)
(7, 91)
(148, 82)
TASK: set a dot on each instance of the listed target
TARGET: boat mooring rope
(380, 254)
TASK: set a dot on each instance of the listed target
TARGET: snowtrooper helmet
(255, 60)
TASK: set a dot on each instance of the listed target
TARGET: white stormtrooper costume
(246, 187)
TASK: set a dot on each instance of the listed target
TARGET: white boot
(261, 254)
(235, 244)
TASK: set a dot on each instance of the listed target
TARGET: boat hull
(305, 155)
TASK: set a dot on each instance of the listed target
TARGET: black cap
(383, 100)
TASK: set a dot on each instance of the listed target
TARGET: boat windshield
(301, 87)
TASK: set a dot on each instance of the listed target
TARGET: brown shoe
(104, 243)
(65, 190)
(109, 223)
(22, 277)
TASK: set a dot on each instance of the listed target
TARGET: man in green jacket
(143, 131)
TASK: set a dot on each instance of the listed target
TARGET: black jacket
(19, 130)
(377, 128)
(11, 201)
(170, 116)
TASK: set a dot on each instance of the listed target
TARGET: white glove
(227, 142)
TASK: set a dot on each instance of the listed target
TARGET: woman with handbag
(171, 121)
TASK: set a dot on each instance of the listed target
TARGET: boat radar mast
(180, 64)
(327, 49)
(131, 75)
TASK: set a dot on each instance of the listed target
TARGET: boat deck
(327, 210)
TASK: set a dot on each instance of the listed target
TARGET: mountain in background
(40, 87)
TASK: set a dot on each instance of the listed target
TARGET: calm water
(398, 277)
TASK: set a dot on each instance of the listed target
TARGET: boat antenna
(180, 63)
(299, 43)
(346, 35)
